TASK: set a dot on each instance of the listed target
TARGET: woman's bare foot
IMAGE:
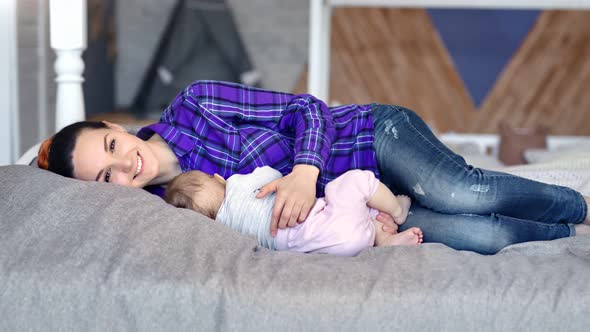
(405, 202)
(582, 229)
(409, 237)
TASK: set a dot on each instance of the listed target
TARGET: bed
(91, 256)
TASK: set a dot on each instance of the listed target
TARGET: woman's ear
(114, 126)
(219, 178)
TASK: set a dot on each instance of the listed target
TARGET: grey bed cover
(81, 256)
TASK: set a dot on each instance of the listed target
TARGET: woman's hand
(295, 196)
(389, 224)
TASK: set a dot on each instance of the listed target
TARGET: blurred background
(461, 70)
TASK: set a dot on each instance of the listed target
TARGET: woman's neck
(169, 165)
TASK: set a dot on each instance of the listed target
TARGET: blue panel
(482, 42)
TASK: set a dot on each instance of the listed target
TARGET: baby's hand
(387, 223)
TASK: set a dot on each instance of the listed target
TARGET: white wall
(8, 84)
(36, 77)
(278, 53)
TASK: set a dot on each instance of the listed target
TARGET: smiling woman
(227, 128)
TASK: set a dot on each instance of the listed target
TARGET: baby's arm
(384, 200)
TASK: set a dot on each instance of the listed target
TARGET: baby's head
(197, 191)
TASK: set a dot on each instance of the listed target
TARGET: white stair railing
(68, 37)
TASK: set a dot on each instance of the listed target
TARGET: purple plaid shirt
(228, 128)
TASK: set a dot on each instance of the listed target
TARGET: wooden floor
(396, 56)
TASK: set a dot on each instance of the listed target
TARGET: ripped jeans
(465, 207)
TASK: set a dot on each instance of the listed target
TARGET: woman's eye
(107, 176)
(112, 146)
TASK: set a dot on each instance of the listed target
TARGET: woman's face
(115, 156)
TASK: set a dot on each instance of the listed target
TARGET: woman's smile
(139, 168)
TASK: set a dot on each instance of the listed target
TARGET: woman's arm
(311, 122)
(314, 129)
(302, 118)
(295, 196)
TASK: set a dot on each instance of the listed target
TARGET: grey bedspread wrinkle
(92, 256)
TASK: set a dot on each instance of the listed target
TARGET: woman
(227, 128)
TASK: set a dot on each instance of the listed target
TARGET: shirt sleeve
(304, 118)
(351, 189)
(314, 129)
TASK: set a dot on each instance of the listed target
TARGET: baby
(341, 223)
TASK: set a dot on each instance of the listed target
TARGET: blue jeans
(465, 207)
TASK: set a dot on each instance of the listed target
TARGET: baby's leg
(385, 201)
(404, 202)
(412, 236)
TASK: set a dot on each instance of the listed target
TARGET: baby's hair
(182, 190)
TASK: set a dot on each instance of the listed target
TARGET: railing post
(68, 34)
(318, 70)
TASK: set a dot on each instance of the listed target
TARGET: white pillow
(29, 157)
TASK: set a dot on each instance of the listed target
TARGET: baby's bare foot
(405, 202)
(409, 237)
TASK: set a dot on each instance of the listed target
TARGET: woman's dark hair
(55, 154)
